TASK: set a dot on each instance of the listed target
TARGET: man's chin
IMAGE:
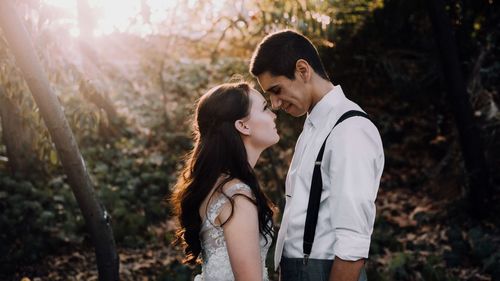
(296, 113)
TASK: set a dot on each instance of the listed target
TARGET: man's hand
(343, 270)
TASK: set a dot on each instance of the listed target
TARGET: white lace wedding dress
(216, 265)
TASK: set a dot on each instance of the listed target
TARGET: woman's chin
(276, 140)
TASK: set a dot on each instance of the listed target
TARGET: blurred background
(128, 73)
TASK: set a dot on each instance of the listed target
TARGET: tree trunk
(96, 218)
(17, 137)
(479, 188)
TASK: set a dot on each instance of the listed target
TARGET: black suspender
(316, 189)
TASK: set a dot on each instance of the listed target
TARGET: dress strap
(216, 205)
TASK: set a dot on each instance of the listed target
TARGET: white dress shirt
(352, 165)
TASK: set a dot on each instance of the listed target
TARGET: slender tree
(479, 189)
(96, 218)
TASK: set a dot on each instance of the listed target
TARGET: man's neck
(321, 87)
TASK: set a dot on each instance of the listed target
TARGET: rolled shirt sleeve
(355, 170)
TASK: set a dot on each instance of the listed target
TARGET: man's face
(288, 95)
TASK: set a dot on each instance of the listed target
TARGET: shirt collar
(324, 106)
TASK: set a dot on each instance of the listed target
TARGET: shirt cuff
(351, 246)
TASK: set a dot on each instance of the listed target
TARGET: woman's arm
(242, 238)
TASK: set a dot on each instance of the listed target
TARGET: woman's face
(261, 122)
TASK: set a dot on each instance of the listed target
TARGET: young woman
(222, 211)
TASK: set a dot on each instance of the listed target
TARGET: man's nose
(275, 102)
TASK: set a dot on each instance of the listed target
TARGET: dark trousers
(293, 269)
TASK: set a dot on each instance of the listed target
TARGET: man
(288, 68)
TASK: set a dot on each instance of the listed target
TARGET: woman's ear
(242, 127)
(303, 70)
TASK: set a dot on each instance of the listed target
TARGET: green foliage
(35, 217)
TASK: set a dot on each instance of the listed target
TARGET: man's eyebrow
(272, 89)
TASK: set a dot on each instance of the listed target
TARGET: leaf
(53, 157)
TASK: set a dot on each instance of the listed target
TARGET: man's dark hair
(278, 53)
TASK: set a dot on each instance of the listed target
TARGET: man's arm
(343, 270)
(355, 170)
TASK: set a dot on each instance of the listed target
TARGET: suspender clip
(306, 259)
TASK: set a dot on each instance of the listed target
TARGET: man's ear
(242, 127)
(303, 70)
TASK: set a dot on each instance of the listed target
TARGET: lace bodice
(216, 265)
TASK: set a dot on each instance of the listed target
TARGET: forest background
(128, 73)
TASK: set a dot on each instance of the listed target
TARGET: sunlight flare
(119, 15)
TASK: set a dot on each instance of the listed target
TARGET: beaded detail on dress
(216, 265)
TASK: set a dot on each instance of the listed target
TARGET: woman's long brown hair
(218, 150)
